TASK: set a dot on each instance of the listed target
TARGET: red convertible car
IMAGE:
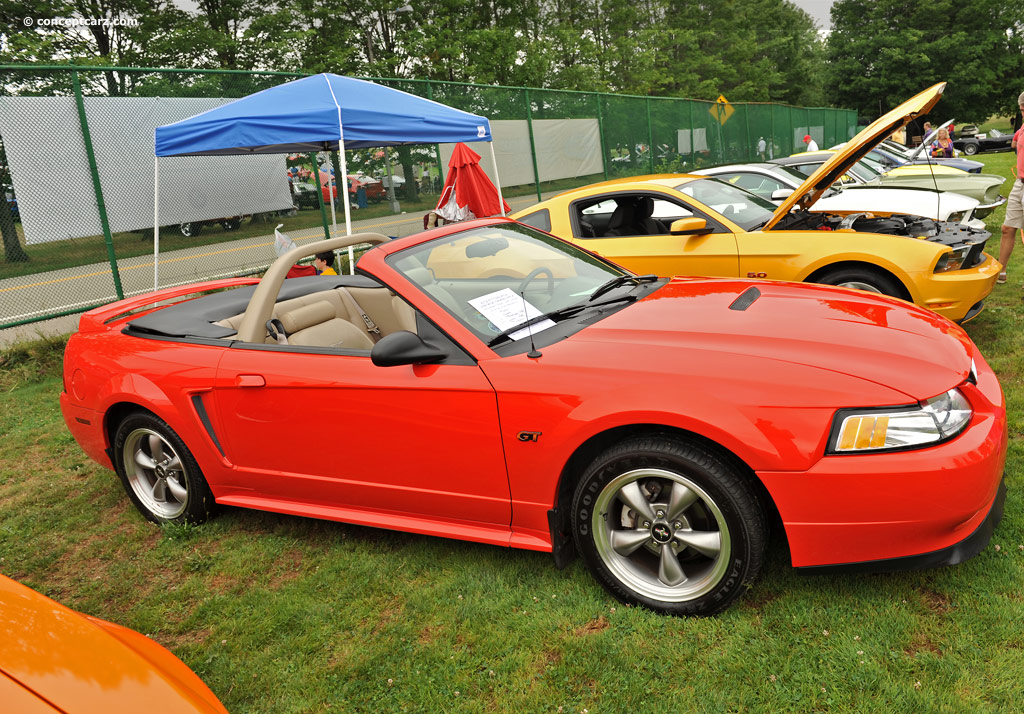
(489, 382)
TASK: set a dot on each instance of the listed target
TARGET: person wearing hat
(811, 145)
(1014, 220)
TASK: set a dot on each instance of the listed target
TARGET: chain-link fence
(76, 145)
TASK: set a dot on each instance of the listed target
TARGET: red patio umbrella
(468, 190)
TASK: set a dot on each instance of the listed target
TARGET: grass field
(283, 614)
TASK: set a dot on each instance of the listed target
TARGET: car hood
(915, 201)
(855, 149)
(83, 665)
(881, 340)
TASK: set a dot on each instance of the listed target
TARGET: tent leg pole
(156, 223)
(348, 208)
(497, 181)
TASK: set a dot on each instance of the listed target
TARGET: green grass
(283, 614)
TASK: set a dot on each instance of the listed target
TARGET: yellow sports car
(678, 224)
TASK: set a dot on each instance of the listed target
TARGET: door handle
(250, 380)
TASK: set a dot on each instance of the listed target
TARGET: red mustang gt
(490, 382)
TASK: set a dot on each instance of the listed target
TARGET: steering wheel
(533, 274)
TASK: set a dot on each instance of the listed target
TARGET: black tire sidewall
(200, 503)
(735, 499)
(884, 283)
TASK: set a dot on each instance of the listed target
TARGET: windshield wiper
(555, 315)
(621, 280)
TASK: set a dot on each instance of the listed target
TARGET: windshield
(496, 277)
(873, 166)
(896, 148)
(738, 205)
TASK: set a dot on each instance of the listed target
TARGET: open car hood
(855, 149)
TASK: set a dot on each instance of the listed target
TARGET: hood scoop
(746, 299)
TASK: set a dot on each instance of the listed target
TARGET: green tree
(882, 52)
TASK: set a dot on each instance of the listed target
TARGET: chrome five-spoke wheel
(668, 524)
(155, 473)
(158, 471)
(661, 534)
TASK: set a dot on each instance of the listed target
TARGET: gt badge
(528, 435)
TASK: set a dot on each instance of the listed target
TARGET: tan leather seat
(317, 325)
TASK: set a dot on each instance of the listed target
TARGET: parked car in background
(55, 660)
(304, 194)
(684, 224)
(993, 140)
(545, 398)
(191, 229)
(776, 183)
(984, 188)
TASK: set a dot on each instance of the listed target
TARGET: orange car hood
(79, 664)
(856, 149)
(881, 340)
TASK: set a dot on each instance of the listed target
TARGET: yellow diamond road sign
(721, 110)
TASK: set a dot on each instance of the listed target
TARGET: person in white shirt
(811, 145)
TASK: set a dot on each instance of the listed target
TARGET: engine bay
(944, 232)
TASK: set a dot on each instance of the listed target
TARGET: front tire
(971, 149)
(860, 279)
(668, 525)
(159, 473)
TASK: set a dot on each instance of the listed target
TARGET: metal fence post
(600, 136)
(746, 121)
(101, 207)
(533, 145)
(650, 136)
(437, 147)
(320, 193)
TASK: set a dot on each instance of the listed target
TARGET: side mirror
(404, 347)
(688, 227)
(781, 194)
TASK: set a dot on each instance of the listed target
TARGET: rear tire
(159, 473)
(190, 230)
(668, 525)
(861, 279)
(971, 149)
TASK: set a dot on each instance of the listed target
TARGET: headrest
(307, 316)
(622, 215)
(644, 207)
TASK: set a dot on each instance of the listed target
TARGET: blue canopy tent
(325, 112)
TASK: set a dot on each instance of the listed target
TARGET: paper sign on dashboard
(505, 310)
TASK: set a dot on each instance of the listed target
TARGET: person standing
(942, 147)
(811, 144)
(1014, 220)
(762, 147)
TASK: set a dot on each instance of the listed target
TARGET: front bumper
(956, 553)
(958, 294)
(853, 509)
(986, 208)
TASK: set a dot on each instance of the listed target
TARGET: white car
(775, 183)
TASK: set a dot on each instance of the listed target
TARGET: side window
(631, 215)
(538, 219)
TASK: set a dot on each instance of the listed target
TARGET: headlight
(956, 217)
(897, 428)
(953, 260)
